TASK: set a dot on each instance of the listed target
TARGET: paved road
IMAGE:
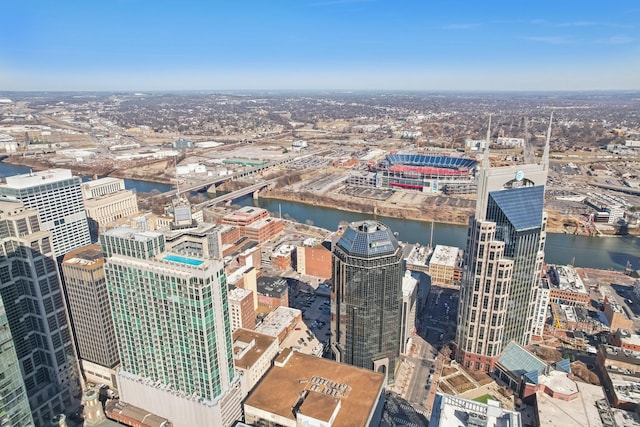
(436, 325)
(417, 390)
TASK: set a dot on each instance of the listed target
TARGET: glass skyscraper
(366, 298)
(35, 316)
(173, 330)
(14, 405)
(502, 262)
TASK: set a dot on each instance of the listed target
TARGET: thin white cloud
(619, 39)
(460, 26)
(556, 40)
(339, 2)
(577, 24)
(570, 24)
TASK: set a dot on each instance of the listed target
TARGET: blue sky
(319, 44)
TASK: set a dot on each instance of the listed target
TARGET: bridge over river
(227, 198)
(242, 174)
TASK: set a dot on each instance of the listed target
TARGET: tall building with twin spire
(503, 261)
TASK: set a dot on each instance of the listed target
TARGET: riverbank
(146, 171)
(370, 207)
(407, 205)
(556, 222)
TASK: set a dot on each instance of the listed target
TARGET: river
(583, 251)
(595, 252)
(7, 169)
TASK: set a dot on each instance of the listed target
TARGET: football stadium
(427, 173)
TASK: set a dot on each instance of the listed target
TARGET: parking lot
(316, 311)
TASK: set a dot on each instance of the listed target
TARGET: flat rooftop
(419, 256)
(559, 382)
(132, 233)
(35, 179)
(565, 278)
(274, 287)
(301, 339)
(102, 181)
(249, 346)
(455, 411)
(238, 294)
(632, 339)
(445, 256)
(578, 412)
(626, 387)
(236, 275)
(138, 414)
(86, 256)
(246, 212)
(613, 354)
(262, 222)
(278, 320)
(325, 385)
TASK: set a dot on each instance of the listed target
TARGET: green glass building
(173, 331)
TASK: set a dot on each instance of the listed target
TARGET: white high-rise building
(106, 200)
(57, 197)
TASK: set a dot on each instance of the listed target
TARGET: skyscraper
(83, 270)
(172, 328)
(14, 405)
(502, 262)
(367, 297)
(57, 197)
(35, 311)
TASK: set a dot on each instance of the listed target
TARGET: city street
(436, 328)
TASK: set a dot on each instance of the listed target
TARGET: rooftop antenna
(545, 153)
(175, 166)
(485, 162)
(529, 157)
(431, 237)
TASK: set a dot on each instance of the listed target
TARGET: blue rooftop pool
(183, 260)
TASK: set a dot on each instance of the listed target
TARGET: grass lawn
(483, 398)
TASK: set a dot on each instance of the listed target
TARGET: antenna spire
(175, 166)
(431, 238)
(485, 162)
(545, 153)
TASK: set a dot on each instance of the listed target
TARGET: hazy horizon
(330, 45)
